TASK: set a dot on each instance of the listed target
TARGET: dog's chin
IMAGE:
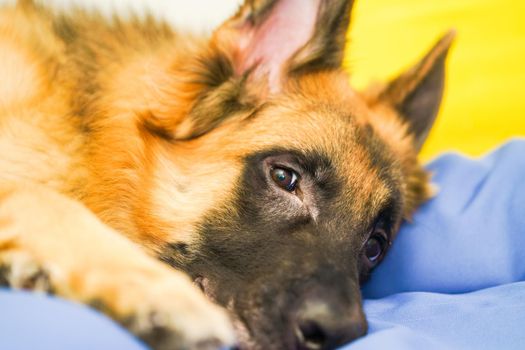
(255, 336)
(261, 326)
(254, 330)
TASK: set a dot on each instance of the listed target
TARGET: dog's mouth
(284, 320)
(248, 322)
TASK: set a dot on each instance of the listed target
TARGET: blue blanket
(454, 279)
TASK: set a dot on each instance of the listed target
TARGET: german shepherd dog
(195, 187)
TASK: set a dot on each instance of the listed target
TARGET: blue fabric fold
(30, 321)
(492, 318)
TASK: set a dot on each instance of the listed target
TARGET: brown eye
(375, 247)
(284, 178)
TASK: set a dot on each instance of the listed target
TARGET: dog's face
(315, 206)
(281, 188)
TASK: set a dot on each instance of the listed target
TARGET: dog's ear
(279, 38)
(250, 56)
(416, 94)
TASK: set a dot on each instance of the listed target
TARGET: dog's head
(275, 184)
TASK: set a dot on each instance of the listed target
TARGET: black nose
(321, 325)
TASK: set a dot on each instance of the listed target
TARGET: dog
(206, 191)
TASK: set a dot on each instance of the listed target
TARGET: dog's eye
(285, 178)
(375, 246)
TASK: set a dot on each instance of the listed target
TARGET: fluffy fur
(123, 142)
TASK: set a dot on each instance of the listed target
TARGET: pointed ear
(248, 57)
(275, 38)
(416, 94)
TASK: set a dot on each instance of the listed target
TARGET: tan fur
(44, 149)
(96, 146)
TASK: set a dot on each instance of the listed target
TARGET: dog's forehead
(328, 120)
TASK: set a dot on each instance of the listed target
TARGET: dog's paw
(167, 312)
(165, 330)
(20, 271)
(196, 324)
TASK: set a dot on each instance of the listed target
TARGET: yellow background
(484, 101)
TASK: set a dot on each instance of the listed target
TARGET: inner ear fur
(416, 94)
(277, 38)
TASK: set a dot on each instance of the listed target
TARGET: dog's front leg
(52, 243)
